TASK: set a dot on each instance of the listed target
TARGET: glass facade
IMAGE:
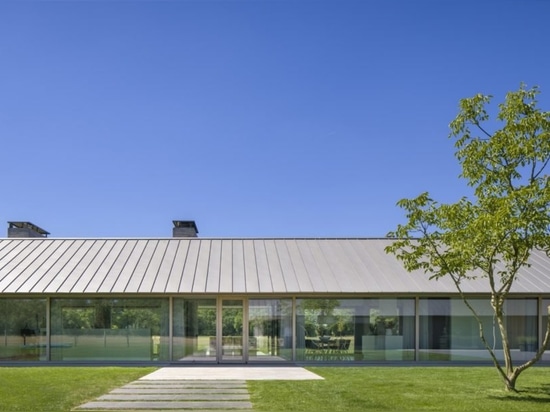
(355, 329)
(448, 331)
(109, 329)
(259, 329)
(23, 328)
(270, 330)
(194, 330)
(232, 330)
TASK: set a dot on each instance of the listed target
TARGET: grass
(404, 389)
(346, 389)
(59, 388)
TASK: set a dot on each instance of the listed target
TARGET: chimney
(184, 228)
(25, 229)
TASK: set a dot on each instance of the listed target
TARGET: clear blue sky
(255, 118)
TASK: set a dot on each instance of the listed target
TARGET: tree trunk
(510, 381)
(510, 376)
(512, 373)
(508, 373)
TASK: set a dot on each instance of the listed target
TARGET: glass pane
(109, 329)
(449, 331)
(388, 329)
(23, 328)
(270, 330)
(232, 330)
(346, 330)
(194, 330)
(522, 326)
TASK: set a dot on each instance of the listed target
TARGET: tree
(492, 233)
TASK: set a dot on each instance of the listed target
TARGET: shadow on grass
(536, 394)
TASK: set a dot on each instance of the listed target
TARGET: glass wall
(194, 330)
(109, 329)
(522, 325)
(355, 329)
(232, 311)
(448, 331)
(23, 328)
(327, 330)
(270, 330)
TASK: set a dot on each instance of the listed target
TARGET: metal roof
(214, 266)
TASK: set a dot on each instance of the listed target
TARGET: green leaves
(516, 154)
(493, 234)
(509, 214)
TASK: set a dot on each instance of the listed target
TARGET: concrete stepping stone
(161, 390)
(183, 384)
(161, 405)
(172, 395)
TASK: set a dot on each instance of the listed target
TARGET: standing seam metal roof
(225, 266)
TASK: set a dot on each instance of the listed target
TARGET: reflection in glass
(355, 329)
(109, 329)
(23, 328)
(270, 330)
(194, 331)
(448, 331)
(232, 330)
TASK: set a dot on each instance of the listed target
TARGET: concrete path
(208, 389)
(247, 373)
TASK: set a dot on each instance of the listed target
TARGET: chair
(314, 350)
(344, 344)
(311, 345)
(343, 348)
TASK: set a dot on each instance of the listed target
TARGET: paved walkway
(205, 389)
(247, 373)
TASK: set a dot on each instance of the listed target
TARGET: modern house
(187, 299)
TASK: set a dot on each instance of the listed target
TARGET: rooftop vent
(184, 228)
(25, 229)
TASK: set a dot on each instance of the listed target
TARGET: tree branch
(478, 125)
(536, 175)
(541, 349)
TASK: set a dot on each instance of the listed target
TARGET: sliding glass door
(232, 330)
(269, 330)
(194, 330)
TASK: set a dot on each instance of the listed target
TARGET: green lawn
(59, 388)
(344, 389)
(404, 389)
